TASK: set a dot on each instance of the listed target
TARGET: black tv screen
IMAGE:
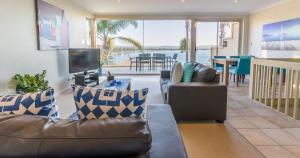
(83, 59)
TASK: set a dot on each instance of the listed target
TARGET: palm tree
(107, 32)
(183, 45)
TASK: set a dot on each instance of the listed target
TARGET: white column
(193, 41)
(94, 33)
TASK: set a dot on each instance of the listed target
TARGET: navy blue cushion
(203, 73)
(40, 103)
(93, 103)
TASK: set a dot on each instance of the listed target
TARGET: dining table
(226, 62)
(140, 59)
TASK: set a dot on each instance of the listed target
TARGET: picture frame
(281, 36)
(52, 27)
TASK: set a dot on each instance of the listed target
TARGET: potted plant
(31, 83)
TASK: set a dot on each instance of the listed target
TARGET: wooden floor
(210, 140)
(251, 130)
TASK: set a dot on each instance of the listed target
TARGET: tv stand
(87, 79)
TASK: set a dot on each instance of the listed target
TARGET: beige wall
(280, 12)
(18, 43)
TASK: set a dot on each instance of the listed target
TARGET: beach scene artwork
(284, 35)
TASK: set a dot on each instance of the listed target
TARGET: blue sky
(169, 32)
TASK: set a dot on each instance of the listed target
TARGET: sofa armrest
(165, 74)
(198, 101)
(165, 134)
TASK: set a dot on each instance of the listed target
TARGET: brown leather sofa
(33, 136)
(202, 99)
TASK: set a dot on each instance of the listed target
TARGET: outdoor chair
(172, 60)
(132, 61)
(144, 58)
(159, 58)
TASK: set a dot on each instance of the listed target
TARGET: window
(88, 32)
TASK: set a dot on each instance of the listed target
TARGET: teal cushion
(188, 70)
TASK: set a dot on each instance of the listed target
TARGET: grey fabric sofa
(202, 99)
(33, 136)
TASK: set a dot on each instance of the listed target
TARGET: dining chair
(144, 58)
(234, 57)
(241, 70)
(171, 61)
(159, 58)
(219, 67)
(174, 58)
(132, 61)
(246, 56)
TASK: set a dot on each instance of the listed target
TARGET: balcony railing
(275, 83)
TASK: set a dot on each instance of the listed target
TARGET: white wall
(288, 10)
(18, 43)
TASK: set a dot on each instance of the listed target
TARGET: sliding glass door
(119, 40)
(167, 37)
(123, 41)
(216, 38)
(206, 41)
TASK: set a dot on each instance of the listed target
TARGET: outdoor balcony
(127, 61)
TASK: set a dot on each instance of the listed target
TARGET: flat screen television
(83, 59)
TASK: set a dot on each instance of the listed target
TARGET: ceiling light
(183, 1)
(236, 1)
(119, 0)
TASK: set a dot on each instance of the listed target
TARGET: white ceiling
(137, 7)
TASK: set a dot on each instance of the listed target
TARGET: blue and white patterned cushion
(40, 103)
(93, 103)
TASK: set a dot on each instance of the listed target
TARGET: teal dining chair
(241, 70)
(234, 57)
(246, 56)
(219, 67)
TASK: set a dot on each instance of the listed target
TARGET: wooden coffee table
(125, 84)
